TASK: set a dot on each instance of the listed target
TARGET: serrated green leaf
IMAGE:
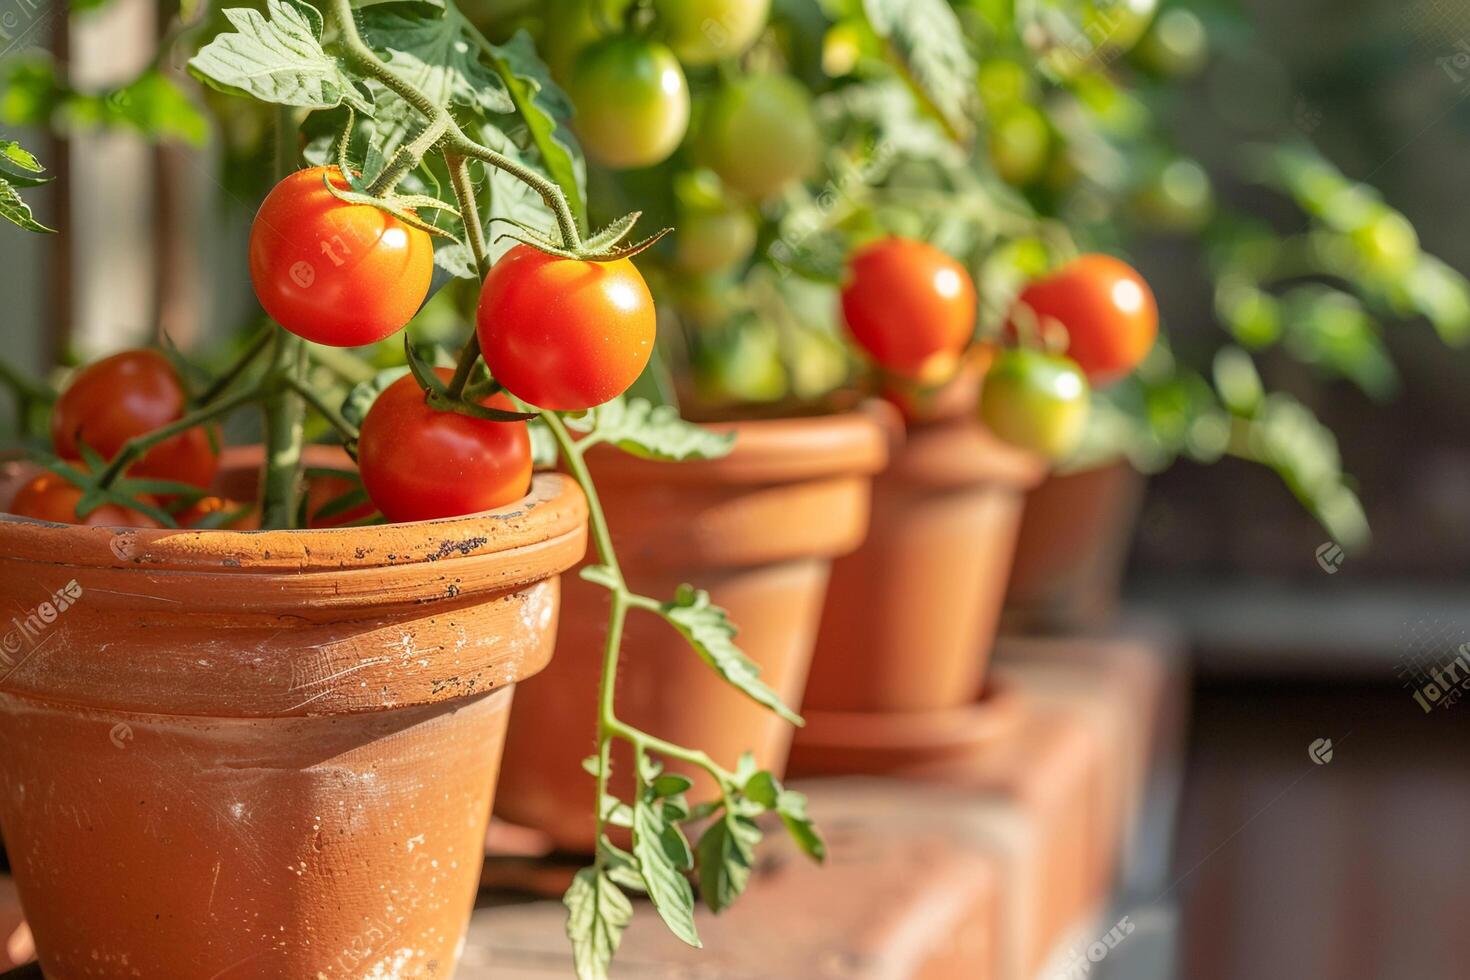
(791, 806)
(710, 632)
(597, 914)
(663, 856)
(277, 58)
(671, 784)
(641, 429)
(621, 867)
(726, 853)
(763, 788)
(12, 207)
(927, 39)
(437, 54)
(616, 812)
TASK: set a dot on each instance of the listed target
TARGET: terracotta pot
(911, 615)
(757, 529)
(1073, 547)
(265, 754)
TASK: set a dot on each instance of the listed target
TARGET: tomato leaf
(19, 168)
(640, 429)
(927, 40)
(277, 58)
(791, 806)
(663, 856)
(438, 55)
(710, 632)
(597, 914)
(621, 867)
(726, 853)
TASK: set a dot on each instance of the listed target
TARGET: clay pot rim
(770, 451)
(552, 513)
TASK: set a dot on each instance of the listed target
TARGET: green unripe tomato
(701, 32)
(708, 241)
(1178, 198)
(632, 101)
(1036, 401)
(1387, 244)
(1176, 46)
(759, 134)
(743, 366)
(1020, 143)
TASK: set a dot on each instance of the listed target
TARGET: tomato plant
(1106, 309)
(419, 463)
(632, 101)
(1035, 400)
(332, 272)
(128, 395)
(910, 306)
(562, 333)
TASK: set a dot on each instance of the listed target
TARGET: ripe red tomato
(246, 517)
(335, 273)
(908, 305)
(323, 491)
(49, 497)
(1108, 311)
(564, 334)
(127, 395)
(419, 464)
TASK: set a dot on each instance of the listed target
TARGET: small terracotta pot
(758, 529)
(1072, 549)
(265, 754)
(911, 615)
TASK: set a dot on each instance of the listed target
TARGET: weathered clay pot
(911, 615)
(758, 530)
(265, 754)
(1072, 549)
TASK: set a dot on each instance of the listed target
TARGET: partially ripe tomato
(910, 306)
(759, 135)
(419, 464)
(128, 395)
(701, 32)
(49, 497)
(339, 274)
(712, 239)
(565, 334)
(220, 513)
(1036, 401)
(1107, 310)
(632, 101)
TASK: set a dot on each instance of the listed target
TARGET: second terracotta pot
(758, 529)
(911, 615)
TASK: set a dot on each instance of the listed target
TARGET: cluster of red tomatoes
(912, 309)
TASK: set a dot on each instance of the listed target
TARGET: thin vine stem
(345, 428)
(464, 196)
(252, 351)
(453, 138)
(138, 445)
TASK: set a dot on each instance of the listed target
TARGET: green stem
(408, 156)
(285, 434)
(642, 740)
(347, 430)
(454, 138)
(464, 196)
(138, 445)
(252, 351)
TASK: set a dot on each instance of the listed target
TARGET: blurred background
(1343, 862)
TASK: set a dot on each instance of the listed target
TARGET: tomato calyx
(400, 206)
(441, 399)
(606, 245)
(129, 493)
